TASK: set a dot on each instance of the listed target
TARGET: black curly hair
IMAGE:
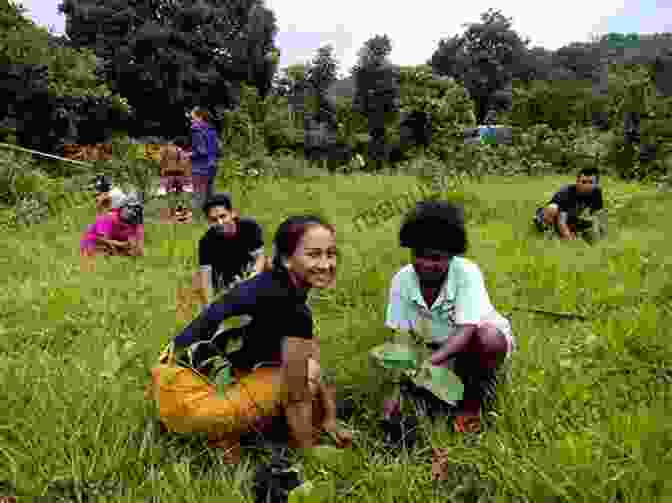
(437, 225)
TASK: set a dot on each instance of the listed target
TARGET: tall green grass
(586, 416)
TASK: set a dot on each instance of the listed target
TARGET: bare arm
(315, 355)
(111, 246)
(131, 247)
(565, 232)
(135, 248)
(205, 283)
(455, 344)
(112, 242)
(299, 400)
(260, 264)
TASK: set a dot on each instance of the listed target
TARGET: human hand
(440, 357)
(105, 249)
(341, 437)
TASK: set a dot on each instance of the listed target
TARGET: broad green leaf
(395, 356)
(440, 381)
(309, 492)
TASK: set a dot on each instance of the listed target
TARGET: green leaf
(308, 492)
(395, 356)
(440, 381)
(223, 380)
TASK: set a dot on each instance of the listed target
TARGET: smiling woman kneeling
(277, 368)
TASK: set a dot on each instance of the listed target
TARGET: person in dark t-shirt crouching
(563, 212)
(232, 248)
(279, 337)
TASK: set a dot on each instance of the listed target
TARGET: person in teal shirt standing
(441, 298)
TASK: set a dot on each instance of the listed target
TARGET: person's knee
(551, 213)
(492, 345)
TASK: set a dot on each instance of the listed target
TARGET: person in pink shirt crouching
(120, 232)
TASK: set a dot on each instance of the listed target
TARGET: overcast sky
(416, 27)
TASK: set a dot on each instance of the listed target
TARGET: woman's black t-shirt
(276, 308)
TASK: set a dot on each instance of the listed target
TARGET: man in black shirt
(564, 210)
(232, 247)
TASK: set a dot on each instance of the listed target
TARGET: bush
(352, 125)
(535, 151)
(446, 103)
(29, 195)
(648, 160)
(559, 104)
(19, 177)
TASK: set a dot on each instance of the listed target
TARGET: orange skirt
(188, 403)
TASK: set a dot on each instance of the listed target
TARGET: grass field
(586, 417)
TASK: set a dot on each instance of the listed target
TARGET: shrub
(446, 103)
(559, 104)
(19, 177)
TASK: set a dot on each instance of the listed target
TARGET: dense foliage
(485, 59)
(599, 102)
(49, 91)
(168, 57)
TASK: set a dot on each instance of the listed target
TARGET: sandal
(468, 423)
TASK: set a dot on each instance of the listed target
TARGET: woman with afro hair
(441, 297)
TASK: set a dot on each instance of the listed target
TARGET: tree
(536, 65)
(49, 88)
(321, 126)
(166, 56)
(434, 111)
(262, 53)
(320, 76)
(485, 59)
(377, 90)
(583, 60)
(292, 83)
(322, 72)
(661, 72)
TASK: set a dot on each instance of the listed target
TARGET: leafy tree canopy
(485, 58)
(170, 55)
